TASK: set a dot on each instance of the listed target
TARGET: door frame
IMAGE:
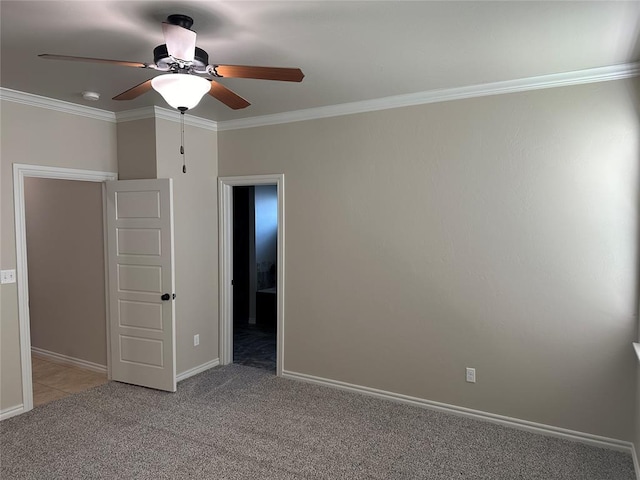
(225, 215)
(20, 172)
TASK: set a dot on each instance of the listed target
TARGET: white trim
(165, 114)
(564, 79)
(57, 105)
(105, 253)
(636, 347)
(579, 77)
(225, 236)
(20, 172)
(196, 370)
(60, 173)
(174, 116)
(587, 438)
(135, 114)
(99, 114)
(172, 253)
(636, 463)
(225, 271)
(68, 360)
(11, 412)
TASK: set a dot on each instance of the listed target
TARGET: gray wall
(149, 148)
(498, 233)
(195, 204)
(636, 441)
(137, 149)
(38, 136)
(65, 252)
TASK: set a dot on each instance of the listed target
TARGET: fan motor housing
(161, 56)
(183, 21)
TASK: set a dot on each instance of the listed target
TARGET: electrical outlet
(196, 340)
(471, 375)
(8, 276)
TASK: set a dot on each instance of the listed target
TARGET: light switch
(8, 276)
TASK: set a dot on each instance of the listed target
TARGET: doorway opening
(21, 173)
(252, 271)
(67, 311)
(255, 242)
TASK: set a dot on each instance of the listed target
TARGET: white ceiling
(349, 51)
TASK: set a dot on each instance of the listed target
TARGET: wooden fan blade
(48, 56)
(260, 73)
(134, 92)
(226, 96)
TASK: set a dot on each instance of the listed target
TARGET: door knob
(166, 297)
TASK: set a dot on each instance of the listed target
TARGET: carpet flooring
(238, 422)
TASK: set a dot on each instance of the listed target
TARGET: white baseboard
(196, 370)
(636, 463)
(11, 412)
(67, 360)
(587, 438)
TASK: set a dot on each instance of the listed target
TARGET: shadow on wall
(634, 96)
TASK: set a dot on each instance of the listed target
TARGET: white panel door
(141, 282)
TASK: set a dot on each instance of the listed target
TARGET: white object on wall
(8, 276)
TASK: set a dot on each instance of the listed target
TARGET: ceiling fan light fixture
(181, 90)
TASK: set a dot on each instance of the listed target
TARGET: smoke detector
(92, 96)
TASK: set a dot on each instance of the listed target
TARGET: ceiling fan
(187, 75)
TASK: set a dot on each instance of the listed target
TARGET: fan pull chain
(184, 165)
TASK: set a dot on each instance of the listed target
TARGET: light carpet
(237, 422)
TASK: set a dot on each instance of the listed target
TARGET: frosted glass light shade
(181, 90)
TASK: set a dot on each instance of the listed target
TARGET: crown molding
(174, 116)
(165, 114)
(579, 77)
(98, 114)
(57, 105)
(135, 114)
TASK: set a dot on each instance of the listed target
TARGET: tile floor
(254, 346)
(52, 381)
